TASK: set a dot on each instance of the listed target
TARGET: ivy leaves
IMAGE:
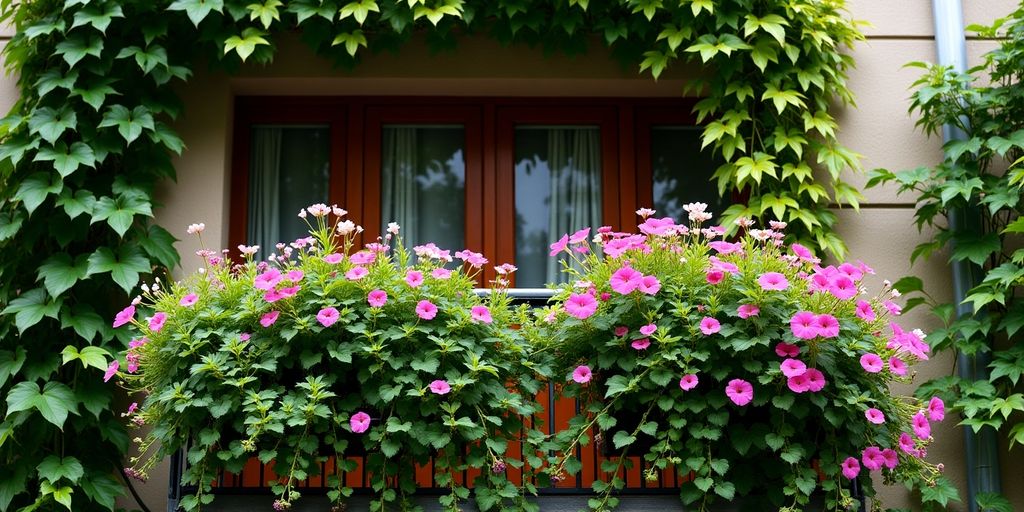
(54, 401)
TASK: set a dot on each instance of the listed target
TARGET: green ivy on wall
(89, 138)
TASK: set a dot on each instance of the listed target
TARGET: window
(504, 177)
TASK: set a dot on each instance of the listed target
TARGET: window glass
(289, 169)
(423, 184)
(681, 172)
(557, 191)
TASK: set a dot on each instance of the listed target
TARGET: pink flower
(748, 310)
(828, 326)
(787, 350)
(111, 370)
(907, 444)
(581, 374)
(327, 316)
(621, 331)
(936, 409)
(648, 329)
(267, 280)
(801, 251)
(272, 296)
(804, 325)
(625, 280)
(377, 298)
(289, 291)
(641, 344)
(440, 387)
(842, 286)
(295, 275)
(714, 276)
(268, 319)
(414, 278)
(188, 300)
(132, 407)
(726, 247)
(605, 296)
(157, 322)
(739, 391)
(649, 285)
(874, 416)
(851, 468)
(855, 272)
(580, 236)
(334, 258)
(441, 273)
(426, 310)
(793, 367)
(798, 383)
(481, 314)
(897, 366)
(922, 429)
(864, 311)
(890, 458)
(356, 273)
(124, 316)
(659, 227)
(872, 458)
(244, 337)
(359, 422)
(688, 382)
(815, 380)
(559, 246)
(363, 257)
(893, 308)
(871, 363)
(773, 281)
(709, 326)
(581, 305)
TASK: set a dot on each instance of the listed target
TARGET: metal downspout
(981, 449)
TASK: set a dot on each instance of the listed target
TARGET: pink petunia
(864, 311)
(124, 316)
(802, 252)
(815, 380)
(156, 323)
(267, 280)
(649, 285)
(891, 460)
(188, 300)
(440, 387)
(874, 416)
(426, 310)
(872, 458)
(132, 408)
(359, 422)
(363, 257)
(907, 444)
(842, 286)
(793, 367)
(828, 326)
(748, 310)
(625, 280)
(922, 429)
(580, 236)
(481, 314)
(272, 296)
(295, 275)
(709, 326)
(648, 329)
(377, 298)
(851, 468)
(688, 382)
(726, 247)
(327, 316)
(739, 391)
(111, 370)
(658, 227)
(773, 281)
(621, 331)
(559, 246)
(804, 325)
(798, 383)
(268, 319)
(893, 308)
(897, 366)
(288, 291)
(581, 305)
(414, 278)
(714, 276)
(356, 273)
(640, 344)
(582, 374)
(441, 273)
(334, 258)
(871, 363)
(787, 350)
(936, 409)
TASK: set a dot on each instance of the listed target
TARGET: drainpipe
(981, 449)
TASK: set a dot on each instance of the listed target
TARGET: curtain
(264, 222)
(398, 187)
(574, 157)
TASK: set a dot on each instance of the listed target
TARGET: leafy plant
(980, 179)
(753, 368)
(325, 350)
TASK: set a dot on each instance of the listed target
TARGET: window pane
(681, 172)
(558, 191)
(423, 184)
(289, 169)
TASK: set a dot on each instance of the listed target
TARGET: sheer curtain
(264, 223)
(399, 197)
(574, 157)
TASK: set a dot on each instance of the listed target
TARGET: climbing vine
(91, 135)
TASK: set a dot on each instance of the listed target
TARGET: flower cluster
(782, 363)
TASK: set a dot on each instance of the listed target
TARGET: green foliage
(979, 180)
(663, 343)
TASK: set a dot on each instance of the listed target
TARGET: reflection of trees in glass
(681, 172)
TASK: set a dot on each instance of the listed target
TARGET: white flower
(195, 229)
(346, 227)
(393, 228)
(645, 212)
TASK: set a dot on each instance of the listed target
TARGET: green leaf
(12, 483)
(52, 79)
(909, 284)
(34, 190)
(305, 9)
(50, 124)
(129, 123)
(124, 267)
(163, 134)
(98, 17)
(30, 307)
(358, 10)
(975, 247)
(62, 495)
(246, 43)
(159, 245)
(120, 212)
(148, 59)
(726, 490)
(10, 364)
(82, 202)
(54, 403)
(352, 41)
(623, 438)
(53, 468)
(59, 272)
(197, 10)
(66, 160)
(10, 224)
(14, 148)
(942, 492)
(43, 27)
(95, 96)
(76, 47)
(95, 357)
(102, 489)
